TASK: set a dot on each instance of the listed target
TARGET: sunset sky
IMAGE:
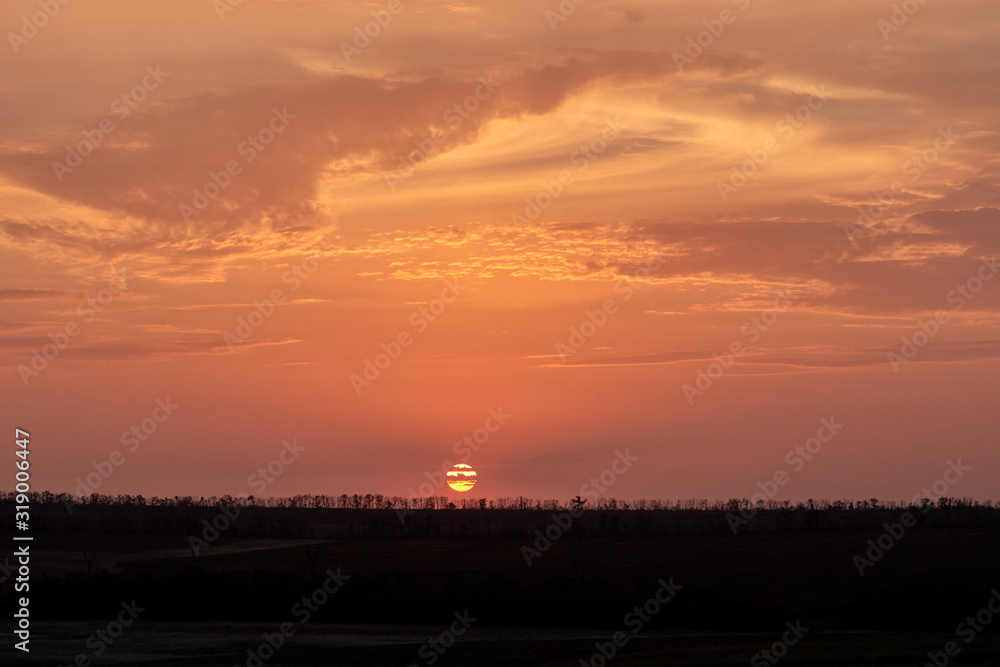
(474, 182)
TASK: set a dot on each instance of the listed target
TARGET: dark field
(732, 594)
(217, 647)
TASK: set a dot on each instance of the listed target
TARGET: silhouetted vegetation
(379, 501)
(421, 565)
(333, 517)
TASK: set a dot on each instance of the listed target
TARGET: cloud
(122, 349)
(27, 294)
(906, 271)
(795, 359)
(155, 161)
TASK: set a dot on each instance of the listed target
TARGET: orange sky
(473, 183)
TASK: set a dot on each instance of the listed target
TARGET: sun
(461, 477)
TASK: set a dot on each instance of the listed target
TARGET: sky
(349, 244)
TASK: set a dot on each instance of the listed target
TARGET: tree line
(442, 502)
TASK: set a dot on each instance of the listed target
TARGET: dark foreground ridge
(689, 569)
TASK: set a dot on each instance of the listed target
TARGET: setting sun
(461, 477)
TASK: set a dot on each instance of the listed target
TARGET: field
(699, 596)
